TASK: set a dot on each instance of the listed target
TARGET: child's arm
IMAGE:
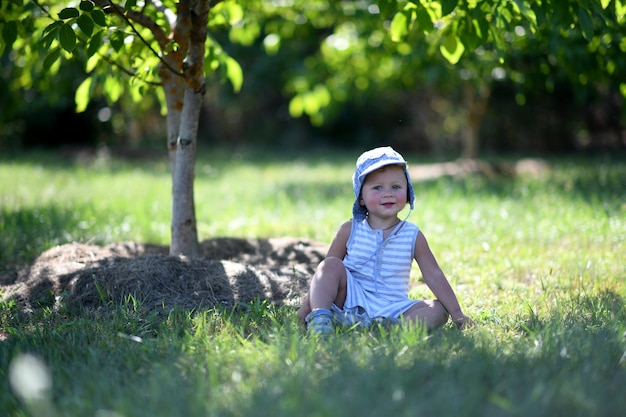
(338, 247)
(437, 281)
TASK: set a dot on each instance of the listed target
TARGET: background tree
(461, 48)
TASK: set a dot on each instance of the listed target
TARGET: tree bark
(184, 227)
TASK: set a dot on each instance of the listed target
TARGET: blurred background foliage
(329, 73)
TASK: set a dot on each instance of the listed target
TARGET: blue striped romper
(378, 272)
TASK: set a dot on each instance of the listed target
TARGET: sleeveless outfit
(378, 272)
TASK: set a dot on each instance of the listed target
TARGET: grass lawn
(537, 261)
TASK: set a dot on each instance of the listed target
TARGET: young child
(365, 276)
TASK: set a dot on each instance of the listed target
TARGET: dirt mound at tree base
(230, 271)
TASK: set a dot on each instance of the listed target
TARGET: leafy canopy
(121, 48)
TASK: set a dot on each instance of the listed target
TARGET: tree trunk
(174, 100)
(184, 228)
(182, 151)
(476, 100)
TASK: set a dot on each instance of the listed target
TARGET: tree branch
(129, 16)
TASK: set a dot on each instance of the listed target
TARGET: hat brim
(379, 165)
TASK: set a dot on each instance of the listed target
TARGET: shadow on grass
(567, 363)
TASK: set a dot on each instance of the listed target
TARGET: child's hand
(464, 322)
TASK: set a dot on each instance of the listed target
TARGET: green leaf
(527, 12)
(506, 15)
(245, 34)
(540, 14)
(113, 89)
(86, 6)
(311, 105)
(225, 13)
(53, 27)
(85, 23)
(117, 40)
(620, 8)
(322, 95)
(211, 64)
(387, 8)
(450, 43)
(498, 42)
(81, 97)
(296, 106)
(473, 35)
(51, 58)
(137, 92)
(68, 13)
(235, 12)
(94, 43)
(399, 26)
(478, 25)
(234, 73)
(9, 32)
(92, 63)
(586, 24)
(98, 17)
(448, 6)
(452, 49)
(424, 20)
(49, 37)
(67, 37)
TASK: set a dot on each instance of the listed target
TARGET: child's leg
(429, 313)
(328, 286)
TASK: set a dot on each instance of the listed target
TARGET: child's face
(384, 191)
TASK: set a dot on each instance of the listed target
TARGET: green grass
(538, 262)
